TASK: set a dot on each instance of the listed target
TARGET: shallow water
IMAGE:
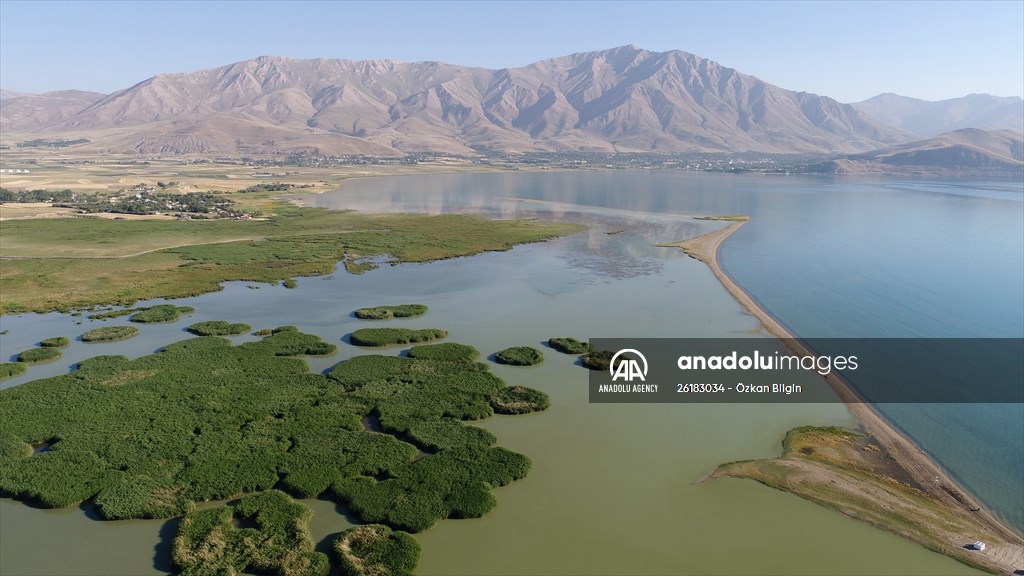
(613, 488)
(829, 257)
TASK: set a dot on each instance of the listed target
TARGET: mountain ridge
(960, 152)
(622, 99)
(931, 118)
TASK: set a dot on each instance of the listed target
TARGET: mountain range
(968, 151)
(925, 118)
(625, 99)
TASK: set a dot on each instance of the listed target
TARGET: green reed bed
(519, 356)
(109, 334)
(393, 336)
(388, 312)
(218, 328)
(375, 549)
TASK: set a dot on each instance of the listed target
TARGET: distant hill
(967, 151)
(623, 99)
(30, 112)
(6, 94)
(927, 118)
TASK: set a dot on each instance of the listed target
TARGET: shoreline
(904, 451)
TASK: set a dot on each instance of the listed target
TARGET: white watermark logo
(628, 368)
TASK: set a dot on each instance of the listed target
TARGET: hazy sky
(847, 50)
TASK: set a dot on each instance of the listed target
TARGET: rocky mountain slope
(624, 99)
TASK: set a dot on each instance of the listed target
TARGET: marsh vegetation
(11, 369)
(160, 313)
(377, 337)
(55, 342)
(219, 328)
(276, 539)
(569, 345)
(69, 263)
(41, 354)
(204, 420)
(375, 549)
(388, 312)
(598, 359)
(519, 356)
(109, 333)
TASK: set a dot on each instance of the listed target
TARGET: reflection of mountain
(623, 99)
(617, 256)
(627, 247)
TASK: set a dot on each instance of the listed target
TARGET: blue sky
(847, 50)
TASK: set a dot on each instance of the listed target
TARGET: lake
(614, 488)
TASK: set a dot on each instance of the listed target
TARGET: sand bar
(922, 469)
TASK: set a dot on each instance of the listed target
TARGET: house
(979, 545)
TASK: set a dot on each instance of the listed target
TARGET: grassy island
(388, 312)
(11, 369)
(74, 263)
(36, 355)
(519, 400)
(375, 549)
(855, 475)
(160, 313)
(262, 533)
(218, 328)
(569, 345)
(55, 342)
(110, 334)
(204, 420)
(113, 314)
(391, 336)
(448, 351)
(598, 359)
(519, 356)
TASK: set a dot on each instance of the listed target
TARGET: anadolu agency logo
(627, 369)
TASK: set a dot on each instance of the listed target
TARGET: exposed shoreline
(922, 469)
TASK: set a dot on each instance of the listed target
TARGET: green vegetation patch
(569, 345)
(264, 533)
(388, 312)
(205, 420)
(288, 341)
(35, 355)
(450, 351)
(160, 313)
(453, 483)
(598, 359)
(393, 336)
(290, 283)
(444, 434)
(55, 342)
(519, 400)
(218, 328)
(109, 333)
(519, 356)
(12, 369)
(375, 549)
(113, 314)
(70, 263)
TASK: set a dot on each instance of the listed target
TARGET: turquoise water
(829, 257)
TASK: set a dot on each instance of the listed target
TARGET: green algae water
(614, 489)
